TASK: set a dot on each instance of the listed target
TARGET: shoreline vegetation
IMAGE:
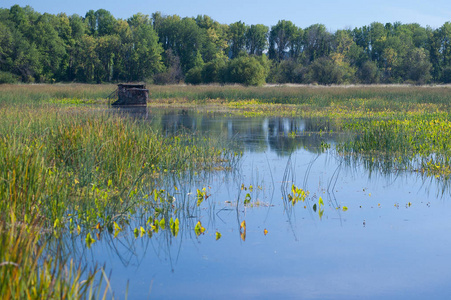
(69, 169)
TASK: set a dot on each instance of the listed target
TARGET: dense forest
(161, 49)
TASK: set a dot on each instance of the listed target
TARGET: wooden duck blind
(132, 94)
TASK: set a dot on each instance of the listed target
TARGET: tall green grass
(377, 97)
(417, 143)
(311, 95)
(39, 93)
(26, 272)
(56, 158)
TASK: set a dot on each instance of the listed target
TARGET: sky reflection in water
(379, 248)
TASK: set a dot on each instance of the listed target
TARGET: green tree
(107, 48)
(215, 41)
(124, 53)
(440, 50)
(183, 36)
(173, 73)
(52, 49)
(105, 22)
(91, 22)
(146, 57)
(78, 30)
(6, 41)
(85, 59)
(317, 42)
(237, 38)
(25, 58)
(417, 66)
(281, 38)
(257, 39)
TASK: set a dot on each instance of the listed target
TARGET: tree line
(161, 49)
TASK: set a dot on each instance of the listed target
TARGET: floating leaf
(218, 235)
(320, 213)
(320, 201)
(243, 225)
(201, 195)
(345, 208)
(155, 226)
(243, 235)
(89, 240)
(142, 231)
(314, 207)
(199, 229)
(247, 199)
(265, 231)
(136, 233)
(243, 230)
(98, 227)
(174, 225)
(298, 195)
(117, 227)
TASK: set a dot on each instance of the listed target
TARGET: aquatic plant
(418, 143)
(297, 194)
(27, 271)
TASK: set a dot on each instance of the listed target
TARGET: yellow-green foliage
(422, 140)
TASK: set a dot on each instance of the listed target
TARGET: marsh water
(381, 233)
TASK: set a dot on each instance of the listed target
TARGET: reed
(417, 143)
(27, 272)
(310, 95)
(38, 93)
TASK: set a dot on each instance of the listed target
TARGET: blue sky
(334, 14)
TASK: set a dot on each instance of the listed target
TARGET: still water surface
(392, 242)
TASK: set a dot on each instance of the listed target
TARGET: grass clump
(27, 273)
(418, 143)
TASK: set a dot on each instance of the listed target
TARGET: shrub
(6, 77)
(246, 70)
(194, 76)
